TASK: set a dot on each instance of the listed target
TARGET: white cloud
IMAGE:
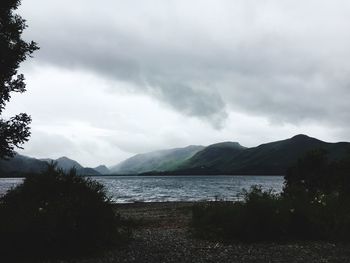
(123, 77)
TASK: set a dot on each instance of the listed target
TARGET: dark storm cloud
(288, 62)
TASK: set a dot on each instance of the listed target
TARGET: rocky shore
(163, 235)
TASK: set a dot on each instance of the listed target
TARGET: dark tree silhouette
(312, 174)
(13, 50)
(58, 214)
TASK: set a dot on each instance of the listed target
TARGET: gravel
(163, 235)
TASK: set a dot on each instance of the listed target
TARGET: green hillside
(164, 160)
(20, 165)
(269, 158)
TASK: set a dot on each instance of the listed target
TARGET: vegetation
(51, 213)
(164, 160)
(314, 205)
(57, 214)
(231, 158)
(254, 219)
(14, 50)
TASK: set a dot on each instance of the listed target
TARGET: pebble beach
(163, 234)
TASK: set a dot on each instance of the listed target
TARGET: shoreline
(162, 234)
(23, 176)
(183, 175)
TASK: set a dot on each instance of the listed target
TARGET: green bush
(314, 205)
(260, 216)
(318, 187)
(263, 216)
(56, 214)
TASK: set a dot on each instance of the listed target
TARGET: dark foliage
(13, 51)
(315, 174)
(314, 205)
(13, 133)
(56, 214)
(319, 190)
(257, 218)
(311, 174)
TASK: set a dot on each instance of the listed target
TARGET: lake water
(126, 189)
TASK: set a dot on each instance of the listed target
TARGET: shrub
(260, 216)
(318, 187)
(316, 174)
(312, 175)
(314, 205)
(263, 216)
(55, 214)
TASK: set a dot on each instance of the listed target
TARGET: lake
(126, 189)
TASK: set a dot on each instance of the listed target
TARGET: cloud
(115, 78)
(75, 115)
(286, 61)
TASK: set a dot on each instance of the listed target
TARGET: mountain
(102, 169)
(270, 158)
(164, 160)
(221, 158)
(19, 165)
(213, 156)
(65, 163)
(87, 171)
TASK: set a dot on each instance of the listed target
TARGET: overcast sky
(114, 78)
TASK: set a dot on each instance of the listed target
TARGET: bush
(316, 174)
(259, 217)
(263, 216)
(319, 189)
(55, 214)
(314, 205)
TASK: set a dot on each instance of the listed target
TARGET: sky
(115, 78)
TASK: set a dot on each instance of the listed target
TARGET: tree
(13, 50)
(58, 214)
(312, 174)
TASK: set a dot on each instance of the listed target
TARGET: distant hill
(65, 163)
(214, 156)
(102, 169)
(221, 158)
(270, 158)
(21, 165)
(164, 160)
(87, 171)
(229, 158)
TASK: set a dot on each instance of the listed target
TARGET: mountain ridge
(269, 158)
(155, 161)
(228, 157)
(21, 165)
(272, 158)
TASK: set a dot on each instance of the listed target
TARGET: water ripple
(126, 189)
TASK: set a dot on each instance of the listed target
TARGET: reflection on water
(8, 183)
(124, 189)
